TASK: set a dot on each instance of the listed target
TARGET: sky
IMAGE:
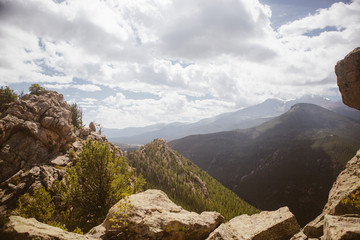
(130, 63)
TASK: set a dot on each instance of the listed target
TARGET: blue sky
(135, 63)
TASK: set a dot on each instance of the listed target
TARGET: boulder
(23, 228)
(61, 160)
(342, 227)
(267, 225)
(348, 78)
(32, 131)
(152, 215)
(92, 126)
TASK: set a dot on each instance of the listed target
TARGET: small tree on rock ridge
(36, 89)
(76, 115)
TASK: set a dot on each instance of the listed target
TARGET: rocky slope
(151, 215)
(35, 135)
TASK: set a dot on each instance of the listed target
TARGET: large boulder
(348, 78)
(274, 225)
(26, 229)
(152, 215)
(32, 131)
(342, 227)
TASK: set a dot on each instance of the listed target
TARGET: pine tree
(7, 95)
(76, 115)
(97, 181)
(36, 89)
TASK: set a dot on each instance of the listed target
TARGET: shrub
(36, 89)
(352, 202)
(97, 181)
(7, 95)
(38, 205)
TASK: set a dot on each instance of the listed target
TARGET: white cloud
(82, 87)
(198, 58)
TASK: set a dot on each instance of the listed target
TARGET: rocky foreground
(35, 131)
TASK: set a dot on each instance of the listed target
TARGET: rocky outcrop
(26, 229)
(348, 78)
(25, 181)
(32, 131)
(347, 181)
(151, 215)
(92, 126)
(342, 227)
(276, 225)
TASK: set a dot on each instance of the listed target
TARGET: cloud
(203, 29)
(82, 87)
(193, 58)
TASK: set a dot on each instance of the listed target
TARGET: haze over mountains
(241, 119)
(291, 160)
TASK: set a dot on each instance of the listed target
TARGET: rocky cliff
(35, 135)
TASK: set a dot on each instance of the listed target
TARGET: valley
(291, 160)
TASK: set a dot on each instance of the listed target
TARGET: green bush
(38, 205)
(36, 89)
(7, 95)
(96, 182)
(352, 202)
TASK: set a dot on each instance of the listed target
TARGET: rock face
(346, 227)
(347, 181)
(32, 130)
(348, 78)
(151, 215)
(22, 228)
(24, 181)
(276, 225)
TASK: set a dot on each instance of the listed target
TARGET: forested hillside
(290, 161)
(184, 182)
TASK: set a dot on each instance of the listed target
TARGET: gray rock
(24, 229)
(61, 161)
(25, 181)
(151, 215)
(342, 227)
(274, 225)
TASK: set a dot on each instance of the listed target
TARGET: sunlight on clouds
(227, 55)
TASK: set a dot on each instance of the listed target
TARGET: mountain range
(241, 119)
(290, 160)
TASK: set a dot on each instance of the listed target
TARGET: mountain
(241, 119)
(185, 183)
(291, 160)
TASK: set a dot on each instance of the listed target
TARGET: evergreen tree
(36, 89)
(7, 95)
(97, 181)
(76, 115)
